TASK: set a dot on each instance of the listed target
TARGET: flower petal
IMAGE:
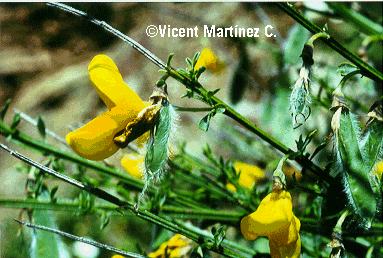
(280, 250)
(210, 61)
(133, 164)
(273, 215)
(249, 174)
(110, 86)
(94, 140)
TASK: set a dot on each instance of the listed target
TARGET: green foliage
(194, 198)
(41, 126)
(354, 161)
(4, 109)
(15, 121)
(346, 68)
(158, 144)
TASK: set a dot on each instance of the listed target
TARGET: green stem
(230, 112)
(177, 108)
(166, 210)
(363, 23)
(44, 148)
(367, 70)
(338, 226)
(346, 77)
(316, 36)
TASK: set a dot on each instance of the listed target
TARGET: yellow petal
(291, 250)
(210, 61)
(273, 215)
(379, 170)
(294, 228)
(94, 140)
(172, 248)
(132, 163)
(108, 82)
(249, 174)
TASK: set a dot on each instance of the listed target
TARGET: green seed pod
(299, 99)
(350, 164)
(157, 148)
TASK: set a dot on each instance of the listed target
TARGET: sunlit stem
(278, 172)
(346, 77)
(338, 226)
(317, 36)
(177, 108)
(283, 160)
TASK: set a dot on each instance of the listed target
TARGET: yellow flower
(249, 175)
(118, 256)
(274, 218)
(379, 170)
(210, 61)
(94, 140)
(178, 246)
(132, 163)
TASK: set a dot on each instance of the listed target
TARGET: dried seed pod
(338, 100)
(337, 245)
(299, 98)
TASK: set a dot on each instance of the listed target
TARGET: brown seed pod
(338, 100)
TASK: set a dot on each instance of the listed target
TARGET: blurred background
(44, 58)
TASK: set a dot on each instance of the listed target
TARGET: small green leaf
(199, 251)
(170, 57)
(195, 58)
(212, 93)
(15, 122)
(325, 28)
(41, 126)
(318, 149)
(346, 68)
(105, 216)
(207, 151)
(189, 62)
(200, 70)
(183, 72)
(53, 191)
(4, 109)
(204, 123)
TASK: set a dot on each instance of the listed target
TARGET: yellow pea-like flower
(250, 174)
(210, 61)
(176, 247)
(274, 218)
(132, 163)
(94, 140)
(379, 170)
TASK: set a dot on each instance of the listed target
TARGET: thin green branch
(177, 108)
(44, 148)
(144, 214)
(199, 89)
(82, 239)
(166, 210)
(367, 70)
(363, 23)
(230, 112)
